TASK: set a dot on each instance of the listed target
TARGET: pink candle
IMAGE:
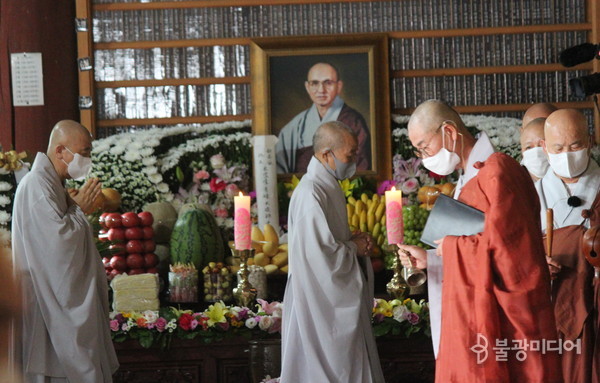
(393, 216)
(242, 224)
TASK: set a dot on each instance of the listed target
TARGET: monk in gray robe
(326, 331)
(294, 148)
(64, 331)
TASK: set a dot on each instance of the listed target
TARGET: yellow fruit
(271, 235)
(261, 259)
(369, 204)
(257, 234)
(281, 259)
(271, 269)
(382, 221)
(363, 227)
(379, 212)
(234, 269)
(353, 228)
(364, 197)
(351, 200)
(250, 261)
(350, 211)
(112, 199)
(376, 230)
(355, 220)
(270, 248)
(370, 222)
(363, 218)
(284, 269)
(380, 240)
(375, 198)
(428, 194)
(283, 247)
(448, 189)
(359, 207)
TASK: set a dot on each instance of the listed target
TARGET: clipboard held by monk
(451, 217)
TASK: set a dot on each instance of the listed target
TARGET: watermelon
(196, 239)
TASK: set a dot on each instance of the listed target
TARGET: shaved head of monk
(541, 110)
(66, 139)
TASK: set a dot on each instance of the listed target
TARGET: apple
(150, 260)
(149, 245)
(130, 219)
(113, 273)
(146, 218)
(103, 235)
(118, 262)
(106, 262)
(136, 271)
(118, 249)
(135, 261)
(108, 269)
(135, 246)
(116, 234)
(112, 220)
(148, 232)
(152, 270)
(377, 264)
(134, 233)
(102, 220)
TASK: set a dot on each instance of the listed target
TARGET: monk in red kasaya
(570, 189)
(497, 318)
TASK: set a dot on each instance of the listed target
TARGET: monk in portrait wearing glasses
(294, 148)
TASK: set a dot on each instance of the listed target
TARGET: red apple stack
(133, 241)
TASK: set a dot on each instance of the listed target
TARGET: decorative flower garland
(219, 321)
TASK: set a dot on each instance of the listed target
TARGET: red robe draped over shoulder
(496, 287)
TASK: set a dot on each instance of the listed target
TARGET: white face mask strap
(444, 139)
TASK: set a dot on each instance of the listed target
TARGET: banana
(356, 221)
(380, 239)
(379, 212)
(373, 208)
(375, 198)
(364, 197)
(363, 219)
(350, 210)
(363, 227)
(352, 200)
(370, 222)
(376, 230)
(382, 221)
(359, 207)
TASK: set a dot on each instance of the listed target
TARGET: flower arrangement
(215, 323)
(10, 162)
(220, 321)
(142, 165)
(397, 317)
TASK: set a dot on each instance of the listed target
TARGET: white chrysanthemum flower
(153, 142)
(5, 186)
(162, 187)
(132, 155)
(149, 161)
(4, 200)
(168, 197)
(150, 170)
(4, 217)
(5, 237)
(155, 178)
(137, 145)
(146, 152)
(150, 316)
(117, 150)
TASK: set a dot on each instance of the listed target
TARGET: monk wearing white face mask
(498, 278)
(570, 188)
(535, 158)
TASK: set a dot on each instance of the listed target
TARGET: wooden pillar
(86, 78)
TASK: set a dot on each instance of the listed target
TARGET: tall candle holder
(244, 293)
(396, 287)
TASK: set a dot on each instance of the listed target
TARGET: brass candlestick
(244, 293)
(396, 287)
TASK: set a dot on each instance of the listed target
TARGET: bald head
(429, 115)
(67, 138)
(566, 130)
(540, 110)
(331, 135)
(532, 134)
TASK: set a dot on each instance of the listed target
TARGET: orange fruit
(113, 199)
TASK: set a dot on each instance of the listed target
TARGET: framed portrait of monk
(298, 83)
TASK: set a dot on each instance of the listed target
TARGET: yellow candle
(242, 224)
(393, 216)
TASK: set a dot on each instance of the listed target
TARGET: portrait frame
(366, 52)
